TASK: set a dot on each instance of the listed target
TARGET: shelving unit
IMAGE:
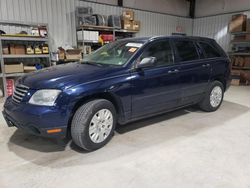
(101, 29)
(7, 39)
(240, 49)
(239, 53)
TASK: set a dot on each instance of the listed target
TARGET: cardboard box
(248, 25)
(20, 49)
(238, 23)
(61, 53)
(12, 49)
(239, 61)
(245, 75)
(247, 62)
(235, 73)
(128, 15)
(14, 68)
(6, 49)
(73, 54)
(127, 24)
(136, 25)
(17, 49)
(235, 82)
(29, 68)
(247, 37)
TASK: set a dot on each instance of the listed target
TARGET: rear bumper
(37, 120)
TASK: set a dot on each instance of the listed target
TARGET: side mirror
(147, 62)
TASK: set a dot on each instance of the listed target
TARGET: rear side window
(161, 50)
(186, 50)
(209, 50)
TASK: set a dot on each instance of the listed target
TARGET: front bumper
(37, 120)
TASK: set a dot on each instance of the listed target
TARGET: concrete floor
(185, 148)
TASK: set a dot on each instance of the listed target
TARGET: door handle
(173, 71)
(206, 65)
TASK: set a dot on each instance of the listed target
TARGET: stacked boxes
(240, 61)
(235, 77)
(129, 22)
(69, 54)
(238, 23)
(239, 76)
(128, 15)
(247, 62)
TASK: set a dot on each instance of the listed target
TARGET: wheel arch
(103, 95)
(221, 79)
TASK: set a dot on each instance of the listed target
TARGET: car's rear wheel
(93, 124)
(213, 97)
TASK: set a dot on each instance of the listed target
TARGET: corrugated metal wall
(151, 23)
(59, 15)
(215, 27)
(56, 13)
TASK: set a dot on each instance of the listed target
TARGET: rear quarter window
(210, 51)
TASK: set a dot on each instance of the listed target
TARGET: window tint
(186, 50)
(161, 50)
(209, 50)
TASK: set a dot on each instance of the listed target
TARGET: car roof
(147, 39)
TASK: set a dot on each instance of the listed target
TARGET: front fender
(119, 87)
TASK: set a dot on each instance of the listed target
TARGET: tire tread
(80, 122)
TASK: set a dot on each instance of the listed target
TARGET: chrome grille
(19, 93)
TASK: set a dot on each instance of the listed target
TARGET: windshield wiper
(92, 63)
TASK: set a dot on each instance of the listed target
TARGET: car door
(156, 88)
(194, 70)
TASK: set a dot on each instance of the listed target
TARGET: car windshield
(115, 53)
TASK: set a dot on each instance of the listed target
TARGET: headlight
(45, 97)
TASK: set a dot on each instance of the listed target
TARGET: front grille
(19, 93)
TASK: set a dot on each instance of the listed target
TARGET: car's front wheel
(213, 97)
(93, 124)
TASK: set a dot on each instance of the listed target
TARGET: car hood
(67, 75)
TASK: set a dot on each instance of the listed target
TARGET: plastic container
(107, 37)
(114, 21)
(101, 20)
(87, 20)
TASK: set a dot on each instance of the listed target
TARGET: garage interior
(183, 148)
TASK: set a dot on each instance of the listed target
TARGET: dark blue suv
(121, 82)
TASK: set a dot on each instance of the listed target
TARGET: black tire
(205, 104)
(81, 122)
